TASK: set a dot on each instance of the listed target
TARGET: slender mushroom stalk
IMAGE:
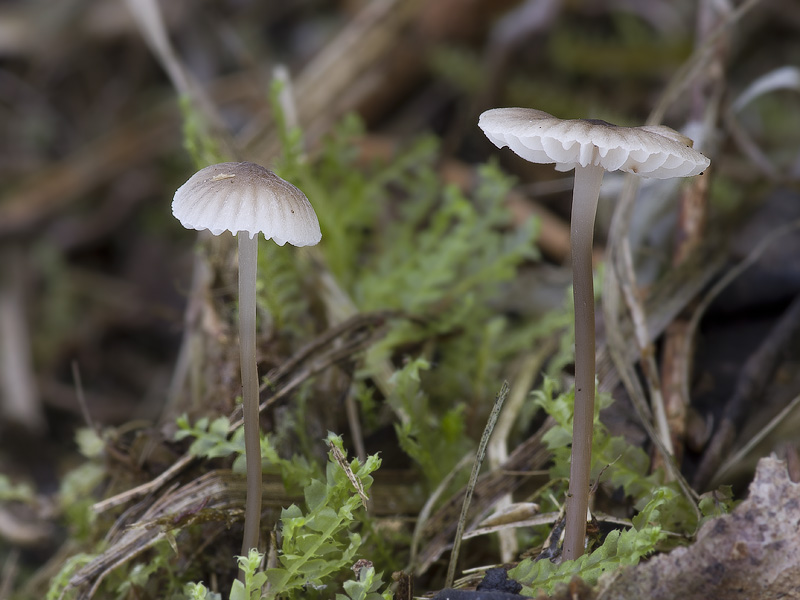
(248, 261)
(585, 195)
(590, 147)
(247, 199)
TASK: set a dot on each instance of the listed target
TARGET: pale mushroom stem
(248, 259)
(584, 207)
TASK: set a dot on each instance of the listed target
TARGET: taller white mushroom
(247, 199)
(591, 147)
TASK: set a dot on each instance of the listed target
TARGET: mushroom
(589, 146)
(246, 199)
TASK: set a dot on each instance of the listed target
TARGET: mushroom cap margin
(651, 151)
(246, 197)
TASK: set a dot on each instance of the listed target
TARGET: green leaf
(197, 591)
(315, 494)
(661, 506)
(318, 541)
(365, 587)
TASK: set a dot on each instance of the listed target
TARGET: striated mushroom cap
(658, 152)
(244, 196)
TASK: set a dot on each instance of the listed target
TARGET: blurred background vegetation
(443, 269)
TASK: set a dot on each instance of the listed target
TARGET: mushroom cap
(650, 151)
(244, 196)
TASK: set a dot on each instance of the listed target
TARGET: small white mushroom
(591, 147)
(246, 199)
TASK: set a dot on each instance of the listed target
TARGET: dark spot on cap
(600, 122)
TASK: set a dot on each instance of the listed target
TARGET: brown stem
(248, 258)
(584, 208)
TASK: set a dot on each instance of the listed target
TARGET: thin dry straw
(473, 479)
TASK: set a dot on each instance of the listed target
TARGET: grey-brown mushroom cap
(246, 197)
(651, 151)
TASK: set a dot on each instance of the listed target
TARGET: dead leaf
(750, 554)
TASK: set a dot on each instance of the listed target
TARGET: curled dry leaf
(752, 553)
(341, 460)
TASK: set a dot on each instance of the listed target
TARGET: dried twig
(341, 460)
(440, 528)
(699, 60)
(647, 359)
(216, 495)
(424, 513)
(149, 19)
(740, 454)
(350, 67)
(709, 297)
(350, 325)
(616, 341)
(666, 299)
(531, 364)
(674, 362)
(473, 479)
(346, 351)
